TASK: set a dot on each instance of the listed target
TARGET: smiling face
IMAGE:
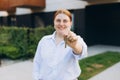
(62, 24)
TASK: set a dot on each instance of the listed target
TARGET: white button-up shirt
(55, 62)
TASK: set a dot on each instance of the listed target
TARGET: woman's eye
(58, 20)
(65, 21)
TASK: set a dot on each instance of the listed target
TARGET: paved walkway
(97, 49)
(112, 73)
(17, 71)
(23, 70)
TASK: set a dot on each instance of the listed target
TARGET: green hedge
(21, 42)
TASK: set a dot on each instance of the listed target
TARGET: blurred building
(97, 21)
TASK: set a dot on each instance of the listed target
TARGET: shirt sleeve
(36, 63)
(84, 49)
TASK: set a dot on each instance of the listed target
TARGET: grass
(95, 64)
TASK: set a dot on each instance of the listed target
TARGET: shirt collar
(53, 35)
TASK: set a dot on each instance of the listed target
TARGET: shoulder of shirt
(46, 37)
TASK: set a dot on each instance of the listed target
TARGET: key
(65, 42)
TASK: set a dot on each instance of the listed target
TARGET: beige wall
(3, 13)
(53, 5)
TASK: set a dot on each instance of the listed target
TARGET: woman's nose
(61, 23)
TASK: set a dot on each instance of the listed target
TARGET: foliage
(21, 42)
(9, 52)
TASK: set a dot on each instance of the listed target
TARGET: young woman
(57, 55)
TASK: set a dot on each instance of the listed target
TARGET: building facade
(98, 22)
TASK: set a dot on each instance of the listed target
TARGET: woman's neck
(58, 38)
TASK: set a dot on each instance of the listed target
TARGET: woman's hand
(72, 40)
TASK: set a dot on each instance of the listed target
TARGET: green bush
(21, 42)
(4, 36)
(9, 52)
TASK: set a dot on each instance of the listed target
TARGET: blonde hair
(64, 11)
